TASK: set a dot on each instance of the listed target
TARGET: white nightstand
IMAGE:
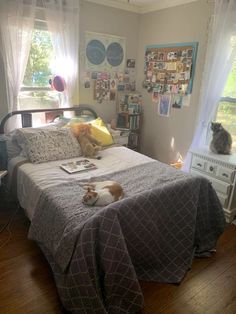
(220, 170)
(120, 137)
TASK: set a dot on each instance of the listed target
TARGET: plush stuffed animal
(89, 145)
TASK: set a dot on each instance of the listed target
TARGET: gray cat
(221, 139)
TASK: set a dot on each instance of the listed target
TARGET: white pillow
(42, 145)
(19, 136)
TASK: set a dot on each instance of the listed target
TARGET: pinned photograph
(177, 101)
(183, 89)
(167, 88)
(120, 87)
(161, 76)
(175, 89)
(130, 63)
(132, 86)
(87, 80)
(164, 105)
(113, 88)
(154, 78)
(184, 53)
(87, 83)
(190, 53)
(172, 55)
(120, 77)
(160, 65)
(179, 66)
(155, 96)
(161, 56)
(171, 66)
(182, 76)
(159, 88)
(94, 75)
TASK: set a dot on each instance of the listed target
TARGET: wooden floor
(26, 283)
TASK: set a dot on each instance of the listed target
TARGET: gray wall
(185, 23)
(106, 20)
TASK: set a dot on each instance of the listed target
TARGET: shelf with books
(129, 115)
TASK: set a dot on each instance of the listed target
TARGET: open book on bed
(78, 166)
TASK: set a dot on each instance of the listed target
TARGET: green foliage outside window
(38, 70)
(230, 87)
(226, 113)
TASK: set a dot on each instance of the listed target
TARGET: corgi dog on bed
(102, 193)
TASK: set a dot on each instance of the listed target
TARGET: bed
(98, 255)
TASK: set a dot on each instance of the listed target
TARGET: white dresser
(220, 170)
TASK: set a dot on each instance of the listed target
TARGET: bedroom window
(36, 92)
(226, 113)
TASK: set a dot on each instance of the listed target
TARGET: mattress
(33, 179)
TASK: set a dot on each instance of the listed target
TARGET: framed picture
(177, 101)
(164, 105)
(130, 63)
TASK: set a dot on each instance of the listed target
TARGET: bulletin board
(169, 71)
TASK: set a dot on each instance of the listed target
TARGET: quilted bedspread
(98, 254)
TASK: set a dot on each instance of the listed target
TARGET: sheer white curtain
(219, 60)
(62, 18)
(16, 26)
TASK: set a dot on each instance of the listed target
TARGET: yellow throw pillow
(100, 132)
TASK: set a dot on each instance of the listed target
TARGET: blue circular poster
(115, 54)
(95, 52)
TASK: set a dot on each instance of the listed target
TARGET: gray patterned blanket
(98, 254)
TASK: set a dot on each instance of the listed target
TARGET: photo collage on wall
(107, 70)
(169, 72)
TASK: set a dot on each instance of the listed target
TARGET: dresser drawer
(211, 168)
(198, 163)
(219, 186)
(217, 171)
(225, 174)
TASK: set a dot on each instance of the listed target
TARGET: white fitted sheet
(32, 179)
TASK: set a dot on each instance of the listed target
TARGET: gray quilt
(98, 254)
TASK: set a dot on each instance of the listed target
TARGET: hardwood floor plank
(162, 295)
(217, 297)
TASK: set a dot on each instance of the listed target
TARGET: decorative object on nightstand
(129, 113)
(220, 171)
(120, 137)
(179, 163)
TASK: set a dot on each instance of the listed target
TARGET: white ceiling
(141, 6)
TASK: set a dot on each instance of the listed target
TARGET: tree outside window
(36, 91)
(38, 70)
(226, 113)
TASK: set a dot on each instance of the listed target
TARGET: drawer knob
(225, 175)
(199, 165)
(211, 168)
